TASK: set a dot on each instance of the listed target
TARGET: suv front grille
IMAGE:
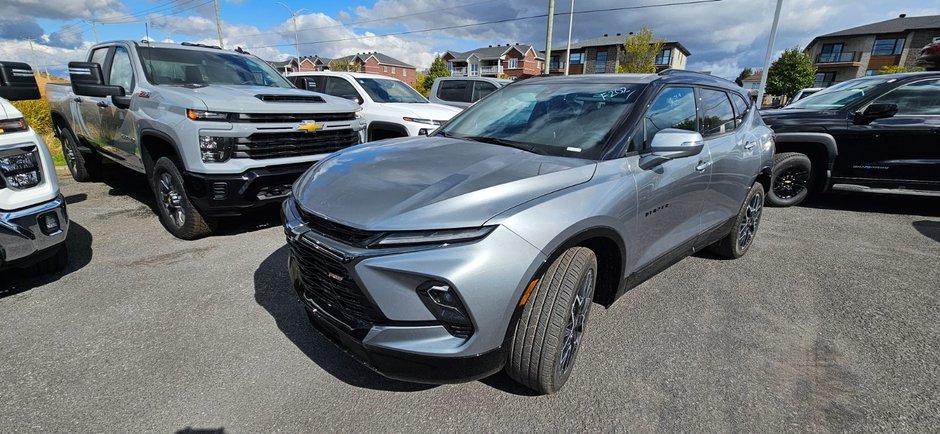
(338, 232)
(294, 143)
(329, 285)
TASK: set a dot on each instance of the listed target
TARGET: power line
(506, 20)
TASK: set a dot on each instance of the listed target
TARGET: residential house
(752, 84)
(307, 63)
(863, 50)
(378, 63)
(515, 61)
(602, 55)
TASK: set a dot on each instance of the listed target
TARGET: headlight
(216, 149)
(13, 125)
(202, 115)
(20, 167)
(396, 239)
(423, 121)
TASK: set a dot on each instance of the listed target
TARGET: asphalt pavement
(831, 323)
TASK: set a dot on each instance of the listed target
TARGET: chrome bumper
(21, 235)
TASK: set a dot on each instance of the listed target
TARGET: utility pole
(568, 51)
(548, 36)
(94, 29)
(770, 51)
(293, 15)
(218, 24)
(35, 59)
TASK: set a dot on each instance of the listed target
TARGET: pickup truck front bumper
(220, 195)
(31, 234)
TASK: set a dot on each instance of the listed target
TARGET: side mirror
(672, 143)
(87, 80)
(875, 111)
(17, 82)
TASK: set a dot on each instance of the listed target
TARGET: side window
(740, 109)
(122, 74)
(337, 86)
(674, 107)
(454, 90)
(916, 99)
(717, 114)
(481, 89)
(99, 55)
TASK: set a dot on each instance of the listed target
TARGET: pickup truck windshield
(390, 91)
(838, 96)
(563, 119)
(180, 67)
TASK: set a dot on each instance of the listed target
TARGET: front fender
(823, 139)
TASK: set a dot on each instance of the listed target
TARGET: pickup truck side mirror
(87, 80)
(875, 111)
(672, 143)
(17, 82)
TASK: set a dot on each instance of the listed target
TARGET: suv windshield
(175, 66)
(565, 119)
(838, 96)
(390, 90)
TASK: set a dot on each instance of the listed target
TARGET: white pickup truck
(33, 220)
(215, 131)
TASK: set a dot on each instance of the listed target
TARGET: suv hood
(423, 183)
(437, 112)
(8, 111)
(241, 99)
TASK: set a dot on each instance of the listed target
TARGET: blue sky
(723, 36)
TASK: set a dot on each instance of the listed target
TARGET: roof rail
(677, 72)
(193, 44)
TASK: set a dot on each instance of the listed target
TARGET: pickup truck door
(117, 124)
(904, 147)
(88, 107)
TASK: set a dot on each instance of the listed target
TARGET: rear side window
(98, 56)
(740, 109)
(717, 114)
(482, 89)
(916, 99)
(674, 107)
(454, 90)
(337, 86)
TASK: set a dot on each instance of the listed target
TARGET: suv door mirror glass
(672, 143)
(875, 111)
(87, 80)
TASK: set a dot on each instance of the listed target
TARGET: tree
(420, 86)
(791, 72)
(639, 53)
(745, 73)
(894, 69)
(344, 64)
(438, 69)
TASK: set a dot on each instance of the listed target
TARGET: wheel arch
(155, 144)
(387, 127)
(819, 147)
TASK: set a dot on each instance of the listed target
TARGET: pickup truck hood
(804, 120)
(438, 112)
(241, 99)
(421, 183)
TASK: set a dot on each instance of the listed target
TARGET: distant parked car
(464, 91)
(930, 56)
(390, 107)
(805, 93)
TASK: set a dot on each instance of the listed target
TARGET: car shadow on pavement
(928, 228)
(877, 203)
(15, 281)
(274, 292)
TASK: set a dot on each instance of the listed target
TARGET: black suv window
(740, 109)
(915, 99)
(674, 107)
(454, 90)
(717, 114)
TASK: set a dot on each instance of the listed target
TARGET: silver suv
(447, 258)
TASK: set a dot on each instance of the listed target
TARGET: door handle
(102, 104)
(77, 99)
(749, 145)
(702, 165)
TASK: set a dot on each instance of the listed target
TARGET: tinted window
(174, 66)
(390, 91)
(838, 96)
(454, 90)
(481, 89)
(121, 72)
(916, 99)
(717, 114)
(302, 82)
(98, 56)
(674, 107)
(337, 86)
(740, 109)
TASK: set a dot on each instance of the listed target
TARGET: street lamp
(293, 15)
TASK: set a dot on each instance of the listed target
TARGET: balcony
(491, 70)
(849, 58)
(458, 72)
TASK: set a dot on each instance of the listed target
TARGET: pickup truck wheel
(83, 167)
(791, 179)
(739, 240)
(177, 213)
(548, 335)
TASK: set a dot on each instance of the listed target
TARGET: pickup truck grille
(255, 118)
(294, 143)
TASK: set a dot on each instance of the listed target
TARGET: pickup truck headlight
(216, 149)
(13, 125)
(20, 167)
(422, 121)
(449, 236)
(202, 115)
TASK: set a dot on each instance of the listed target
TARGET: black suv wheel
(791, 179)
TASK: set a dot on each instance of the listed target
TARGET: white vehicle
(803, 93)
(390, 107)
(33, 220)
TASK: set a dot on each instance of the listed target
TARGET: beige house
(602, 55)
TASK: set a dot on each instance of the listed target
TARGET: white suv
(390, 107)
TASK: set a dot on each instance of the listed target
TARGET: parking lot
(830, 323)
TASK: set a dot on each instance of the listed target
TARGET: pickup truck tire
(744, 229)
(177, 213)
(791, 179)
(83, 167)
(548, 334)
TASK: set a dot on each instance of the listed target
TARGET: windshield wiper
(504, 142)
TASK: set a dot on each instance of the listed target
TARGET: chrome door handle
(749, 145)
(702, 165)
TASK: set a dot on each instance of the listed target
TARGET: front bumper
(22, 237)
(231, 194)
(366, 299)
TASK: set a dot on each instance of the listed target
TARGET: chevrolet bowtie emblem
(309, 127)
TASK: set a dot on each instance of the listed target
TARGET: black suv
(877, 134)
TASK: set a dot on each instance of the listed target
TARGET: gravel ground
(830, 323)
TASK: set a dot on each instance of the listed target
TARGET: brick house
(602, 55)
(373, 63)
(515, 61)
(863, 50)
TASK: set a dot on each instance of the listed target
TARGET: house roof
(280, 63)
(754, 77)
(900, 24)
(381, 58)
(491, 52)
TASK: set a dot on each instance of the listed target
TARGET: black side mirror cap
(87, 80)
(17, 82)
(875, 111)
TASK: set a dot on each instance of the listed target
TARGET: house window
(576, 59)
(553, 63)
(830, 53)
(664, 57)
(601, 66)
(871, 72)
(513, 63)
(475, 69)
(824, 79)
(393, 70)
(404, 72)
(887, 47)
(384, 69)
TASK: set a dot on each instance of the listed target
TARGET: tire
(744, 229)
(56, 262)
(177, 213)
(548, 335)
(791, 179)
(83, 167)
